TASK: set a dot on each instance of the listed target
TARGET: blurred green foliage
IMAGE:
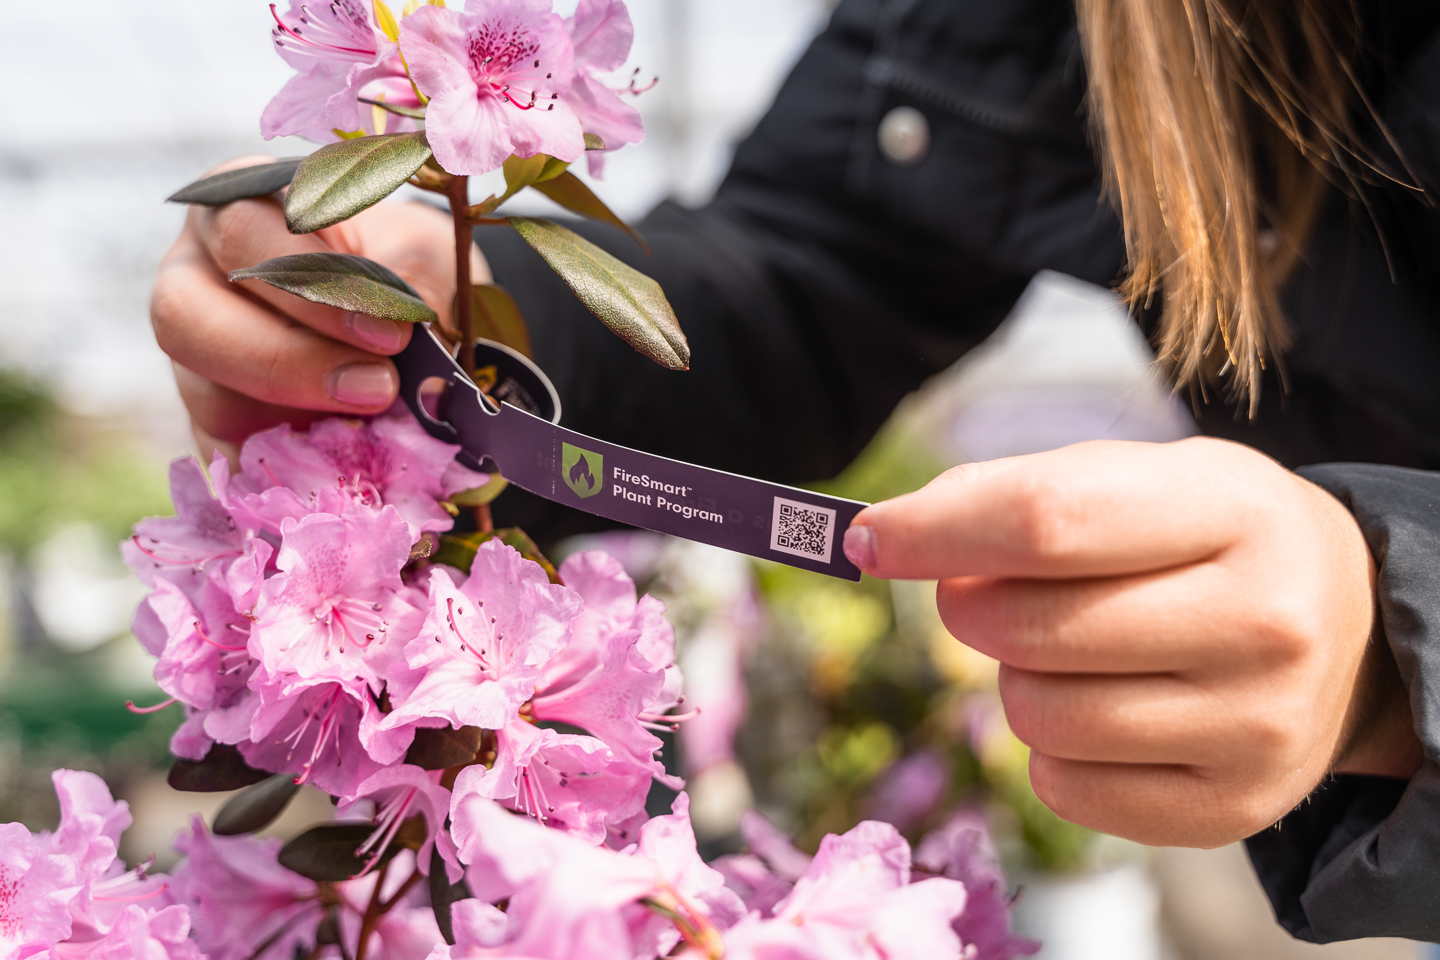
(853, 678)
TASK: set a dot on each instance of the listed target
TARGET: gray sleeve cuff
(1361, 856)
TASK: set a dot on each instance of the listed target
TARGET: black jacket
(823, 283)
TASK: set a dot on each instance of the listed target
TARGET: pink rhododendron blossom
(856, 901)
(390, 460)
(484, 644)
(601, 33)
(66, 895)
(245, 904)
(565, 894)
(962, 850)
(909, 791)
(567, 781)
(328, 613)
(314, 732)
(400, 792)
(496, 74)
(340, 54)
(182, 547)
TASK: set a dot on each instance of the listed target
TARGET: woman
(1196, 642)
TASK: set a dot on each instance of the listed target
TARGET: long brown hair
(1219, 124)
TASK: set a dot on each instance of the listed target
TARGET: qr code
(802, 529)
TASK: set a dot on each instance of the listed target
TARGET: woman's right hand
(248, 356)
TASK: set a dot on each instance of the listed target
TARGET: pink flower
(340, 55)
(908, 791)
(240, 898)
(496, 75)
(400, 792)
(483, 645)
(313, 731)
(140, 934)
(617, 676)
(386, 461)
(244, 904)
(328, 614)
(181, 548)
(962, 850)
(36, 887)
(566, 781)
(856, 901)
(565, 894)
(766, 875)
(601, 34)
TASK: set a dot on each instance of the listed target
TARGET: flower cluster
(64, 895)
(299, 616)
(499, 77)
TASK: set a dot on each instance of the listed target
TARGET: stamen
(130, 705)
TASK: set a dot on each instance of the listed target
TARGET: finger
(1157, 805)
(1148, 719)
(227, 417)
(248, 232)
(1179, 619)
(243, 345)
(1092, 509)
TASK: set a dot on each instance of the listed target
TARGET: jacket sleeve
(1361, 857)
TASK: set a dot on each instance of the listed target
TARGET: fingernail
(860, 547)
(361, 384)
(377, 332)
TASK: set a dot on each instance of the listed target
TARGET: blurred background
(824, 702)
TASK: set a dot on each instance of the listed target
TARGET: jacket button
(904, 136)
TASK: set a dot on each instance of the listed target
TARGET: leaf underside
(496, 316)
(222, 769)
(631, 304)
(339, 180)
(571, 193)
(438, 748)
(232, 185)
(344, 281)
(255, 807)
(327, 852)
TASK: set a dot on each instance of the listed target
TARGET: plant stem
(372, 914)
(483, 521)
(459, 193)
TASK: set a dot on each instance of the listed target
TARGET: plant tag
(754, 517)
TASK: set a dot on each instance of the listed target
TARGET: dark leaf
(571, 193)
(458, 550)
(443, 893)
(342, 280)
(631, 304)
(232, 185)
(255, 807)
(222, 769)
(327, 852)
(328, 933)
(496, 316)
(593, 142)
(436, 749)
(339, 180)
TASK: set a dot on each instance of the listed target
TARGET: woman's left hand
(1182, 628)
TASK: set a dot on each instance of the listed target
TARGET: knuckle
(1046, 526)
(228, 230)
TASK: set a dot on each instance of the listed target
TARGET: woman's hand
(1182, 628)
(248, 356)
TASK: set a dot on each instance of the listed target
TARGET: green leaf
(342, 280)
(388, 25)
(255, 807)
(436, 749)
(327, 852)
(521, 172)
(631, 304)
(571, 193)
(480, 496)
(593, 142)
(458, 550)
(495, 315)
(339, 180)
(232, 185)
(222, 769)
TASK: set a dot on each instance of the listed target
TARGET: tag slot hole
(432, 399)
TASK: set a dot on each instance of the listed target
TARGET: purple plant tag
(755, 517)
